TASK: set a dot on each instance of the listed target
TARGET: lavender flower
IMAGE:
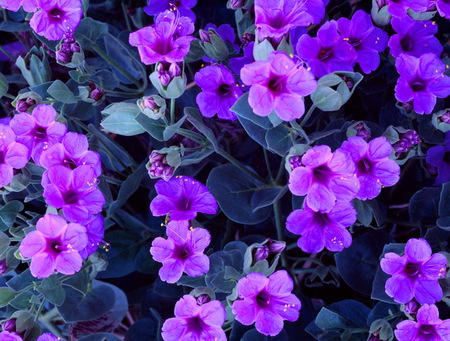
(75, 192)
(10, 336)
(323, 230)
(428, 326)
(398, 8)
(219, 92)
(328, 52)
(165, 41)
(39, 130)
(366, 39)
(54, 246)
(422, 80)
(324, 177)
(56, 17)
(95, 230)
(182, 197)
(266, 301)
(236, 64)
(443, 8)
(414, 37)
(156, 7)
(14, 5)
(195, 322)
(274, 19)
(48, 337)
(279, 85)
(415, 274)
(13, 155)
(316, 8)
(182, 251)
(374, 169)
(439, 157)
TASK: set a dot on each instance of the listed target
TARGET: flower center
(224, 89)
(321, 174)
(263, 299)
(364, 166)
(69, 163)
(2, 157)
(406, 44)
(71, 196)
(446, 157)
(40, 133)
(418, 86)
(427, 332)
(182, 252)
(55, 245)
(56, 13)
(196, 325)
(412, 269)
(276, 84)
(325, 54)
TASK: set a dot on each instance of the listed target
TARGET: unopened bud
(149, 103)
(167, 173)
(174, 70)
(262, 253)
(155, 156)
(348, 81)
(97, 94)
(295, 161)
(75, 47)
(164, 78)
(247, 38)
(202, 299)
(402, 146)
(412, 307)
(236, 4)
(152, 106)
(22, 106)
(204, 36)
(275, 246)
(446, 117)
(412, 136)
(9, 325)
(26, 102)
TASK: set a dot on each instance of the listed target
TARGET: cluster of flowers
(70, 184)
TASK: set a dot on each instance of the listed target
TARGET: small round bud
(262, 253)
(204, 36)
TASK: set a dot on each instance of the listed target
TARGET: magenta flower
(414, 37)
(219, 91)
(48, 337)
(236, 64)
(266, 301)
(439, 157)
(421, 80)
(10, 336)
(195, 322)
(75, 192)
(54, 246)
(316, 8)
(374, 168)
(328, 52)
(443, 8)
(182, 251)
(415, 274)
(324, 178)
(165, 41)
(14, 5)
(274, 19)
(398, 8)
(323, 230)
(155, 7)
(56, 17)
(366, 39)
(39, 130)
(95, 230)
(279, 85)
(182, 197)
(13, 155)
(428, 327)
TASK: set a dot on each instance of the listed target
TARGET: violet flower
(439, 157)
(323, 230)
(75, 192)
(95, 230)
(54, 246)
(165, 41)
(415, 274)
(10, 336)
(39, 130)
(324, 177)
(414, 37)
(366, 39)
(48, 337)
(13, 155)
(374, 169)
(328, 52)
(266, 301)
(226, 32)
(182, 197)
(443, 8)
(154, 7)
(398, 8)
(428, 326)
(182, 251)
(56, 17)
(316, 8)
(195, 322)
(274, 19)
(14, 5)
(279, 85)
(219, 91)
(236, 64)
(422, 80)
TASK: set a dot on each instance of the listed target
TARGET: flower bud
(262, 252)
(204, 36)
(348, 81)
(68, 51)
(213, 45)
(26, 101)
(295, 161)
(163, 163)
(412, 136)
(275, 246)
(3, 266)
(156, 156)
(9, 325)
(174, 70)
(152, 106)
(97, 94)
(202, 299)
(359, 129)
(402, 146)
(247, 38)
(446, 117)
(167, 173)
(169, 80)
(156, 170)
(63, 57)
(412, 307)
(236, 4)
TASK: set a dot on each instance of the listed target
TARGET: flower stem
(279, 226)
(308, 115)
(172, 110)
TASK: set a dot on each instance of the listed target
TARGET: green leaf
(100, 337)
(154, 127)
(172, 129)
(8, 213)
(267, 197)
(52, 290)
(79, 281)
(193, 116)
(444, 200)
(59, 91)
(122, 123)
(6, 296)
(89, 31)
(3, 85)
(23, 300)
(4, 243)
(244, 110)
(278, 140)
(326, 99)
(424, 205)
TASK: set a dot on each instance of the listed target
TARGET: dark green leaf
(3, 85)
(267, 196)
(52, 290)
(100, 337)
(154, 127)
(193, 116)
(424, 204)
(6, 296)
(172, 129)
(89, 31)
(23, 300)
(59, 91)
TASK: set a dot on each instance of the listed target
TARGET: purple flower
(328, 52)
(398, 8)
(56, 17)
(48, 337)
(266, 301)
(54, 246)
(14, 5)
(443, 8)
(275, 18)
(428, 327)
(13, 155)
(415, 274)
(324, 178)
(75, 192)
(155, 7)
(323, 230)
(414, 37)
(95, 230)
(422, 80)
(439, 157)
(366, 39)
(165, 41)
(219, 91)
(182, 197)
(373, 166)
(236, 64)
(195, 322)
(39, 130)
(279, 85)
(316, 8)
(226, 32)
(10, 336)
(182, 251)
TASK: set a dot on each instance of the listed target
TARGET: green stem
(9, 96)
(38, 313)
(117, 66)
(279, 226)
(308, 115)
(125, 14)
(172, 110)
(266, 159)
(7, 54)
(300, 131)
(280, 171)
